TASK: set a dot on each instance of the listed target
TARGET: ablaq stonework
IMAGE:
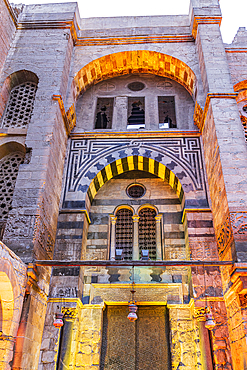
(123, 201)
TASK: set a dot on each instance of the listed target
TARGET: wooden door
(139, 345)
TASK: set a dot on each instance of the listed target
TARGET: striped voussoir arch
(134, 61)
(134, 163)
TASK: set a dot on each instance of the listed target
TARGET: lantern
(209, 323)
(132, 316)
(58, 322)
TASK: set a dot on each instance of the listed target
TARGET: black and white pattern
(88, 157)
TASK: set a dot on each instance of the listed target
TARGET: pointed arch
(134, 61)
(134, 163)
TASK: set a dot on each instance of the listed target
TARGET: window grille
(20, 105)
(124, 232)
(135, 191)
(147, 231)
(9, 167)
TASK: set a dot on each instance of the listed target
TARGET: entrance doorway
(139, 345)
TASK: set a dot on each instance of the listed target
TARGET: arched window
(19, 108)
(124, 232)
(9, 166)
(131, 233)
(147, 231)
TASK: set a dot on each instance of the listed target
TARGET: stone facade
(121, 137)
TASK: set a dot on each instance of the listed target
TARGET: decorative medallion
(135, 191)
(136, 86)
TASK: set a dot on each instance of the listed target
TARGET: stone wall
(38, 188)
(85, 339)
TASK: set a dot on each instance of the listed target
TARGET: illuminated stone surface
(74, 180)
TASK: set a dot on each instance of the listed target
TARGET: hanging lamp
(132, 316)
(209, 322)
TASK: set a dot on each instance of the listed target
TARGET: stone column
(66, 339)
(158, 237)
(113, 237)
(185, 353)
(207, 363)
(89, 339)
(120, 113)
(151, 113)
(136, 238)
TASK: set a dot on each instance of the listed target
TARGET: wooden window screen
(147, 231)
(124, 232)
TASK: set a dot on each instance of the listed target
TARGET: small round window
(135, 191)
(136, 86)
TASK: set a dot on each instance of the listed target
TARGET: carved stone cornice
(69, 24)
(204, 20)
(87, 41)
(134, 134)
(199, 313)
(70, 313)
